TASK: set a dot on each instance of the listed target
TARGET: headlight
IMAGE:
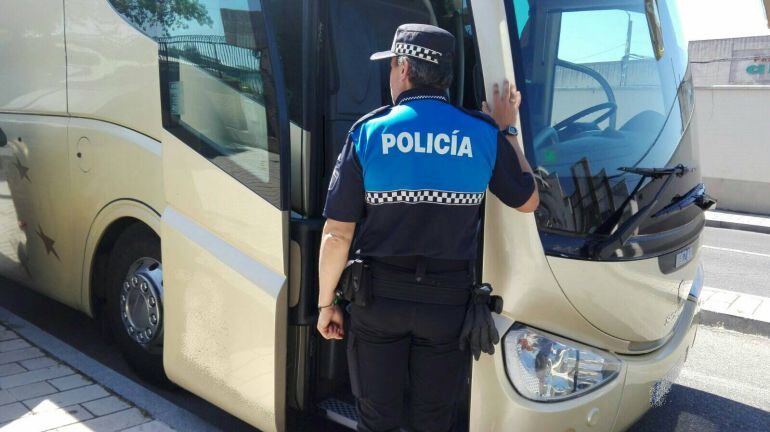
(547, 368)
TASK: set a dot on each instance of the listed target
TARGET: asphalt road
(736, 261)
(722, 387)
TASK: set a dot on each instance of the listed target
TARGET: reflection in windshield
(597, 99)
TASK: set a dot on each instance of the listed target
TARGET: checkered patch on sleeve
(417, 51)
(424, 196)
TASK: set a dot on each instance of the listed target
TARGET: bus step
(340, 412)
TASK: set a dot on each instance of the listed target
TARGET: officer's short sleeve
(509, 182)
(345, 199)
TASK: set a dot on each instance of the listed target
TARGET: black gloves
(479, 330)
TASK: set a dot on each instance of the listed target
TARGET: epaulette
(379, 111)
(479, 115)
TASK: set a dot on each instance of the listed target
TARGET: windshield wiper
(654, 173)
(618, 239)
(696, 196)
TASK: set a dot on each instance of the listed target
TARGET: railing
(212, 49)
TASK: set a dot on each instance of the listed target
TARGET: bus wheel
(134, 301)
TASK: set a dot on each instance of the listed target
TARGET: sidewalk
(732, 310)
(47, 385)
(739, 221)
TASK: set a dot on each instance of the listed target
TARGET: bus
(163, 168)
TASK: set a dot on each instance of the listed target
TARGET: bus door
(224, 230)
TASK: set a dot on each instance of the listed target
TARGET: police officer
(411, 177)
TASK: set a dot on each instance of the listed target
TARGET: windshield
(600, 93)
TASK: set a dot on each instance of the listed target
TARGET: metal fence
(237, 66)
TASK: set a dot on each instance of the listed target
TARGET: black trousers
(398, 347)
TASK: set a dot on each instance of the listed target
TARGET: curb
(735, 323)
(738, 226)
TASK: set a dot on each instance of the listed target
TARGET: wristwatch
(337, 300)
(510, 131)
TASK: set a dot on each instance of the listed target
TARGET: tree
(164, 14)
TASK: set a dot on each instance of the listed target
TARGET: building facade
(732, 93)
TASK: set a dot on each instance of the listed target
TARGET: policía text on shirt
(439, 143)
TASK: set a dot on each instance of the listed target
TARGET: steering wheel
(611, 108)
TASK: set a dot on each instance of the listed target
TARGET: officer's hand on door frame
(505, 105)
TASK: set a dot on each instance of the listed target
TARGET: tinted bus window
(217, 89)
(286, 18)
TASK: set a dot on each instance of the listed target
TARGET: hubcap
(140, 300)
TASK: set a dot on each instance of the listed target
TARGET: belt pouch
(361, 276)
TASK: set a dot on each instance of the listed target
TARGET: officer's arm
(512, 179)
(534, 200)
(335, 246)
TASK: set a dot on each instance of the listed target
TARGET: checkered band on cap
(416, 51)
(424, 196)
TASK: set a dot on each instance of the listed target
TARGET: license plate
(683, 257)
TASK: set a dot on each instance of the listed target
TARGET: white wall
(734, 138)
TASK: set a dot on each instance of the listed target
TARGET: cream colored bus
(163, 167)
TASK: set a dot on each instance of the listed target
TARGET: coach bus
(163, 167)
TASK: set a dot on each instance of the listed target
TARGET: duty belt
(445, 288)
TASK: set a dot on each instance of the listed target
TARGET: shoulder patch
(376, 113)
(479, 115)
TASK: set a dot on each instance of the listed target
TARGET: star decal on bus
(48, 242)
(22, 170)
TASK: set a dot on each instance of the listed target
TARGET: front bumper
(496, 406)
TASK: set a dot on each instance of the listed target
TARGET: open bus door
(225, 226)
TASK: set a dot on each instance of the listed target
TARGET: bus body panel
(616, 295)
(112, 68)
(33, 53)
(225, 289)
(117, 174)
(37, 212)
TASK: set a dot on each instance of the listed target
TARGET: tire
(134, 270)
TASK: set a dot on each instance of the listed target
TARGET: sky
(716, 19)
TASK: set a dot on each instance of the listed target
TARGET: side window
(216, 83)
(286, 16)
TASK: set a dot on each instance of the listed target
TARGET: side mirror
(653, 22)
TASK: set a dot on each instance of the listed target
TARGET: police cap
(421, 41)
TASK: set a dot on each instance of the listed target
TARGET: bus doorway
(348, 86)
